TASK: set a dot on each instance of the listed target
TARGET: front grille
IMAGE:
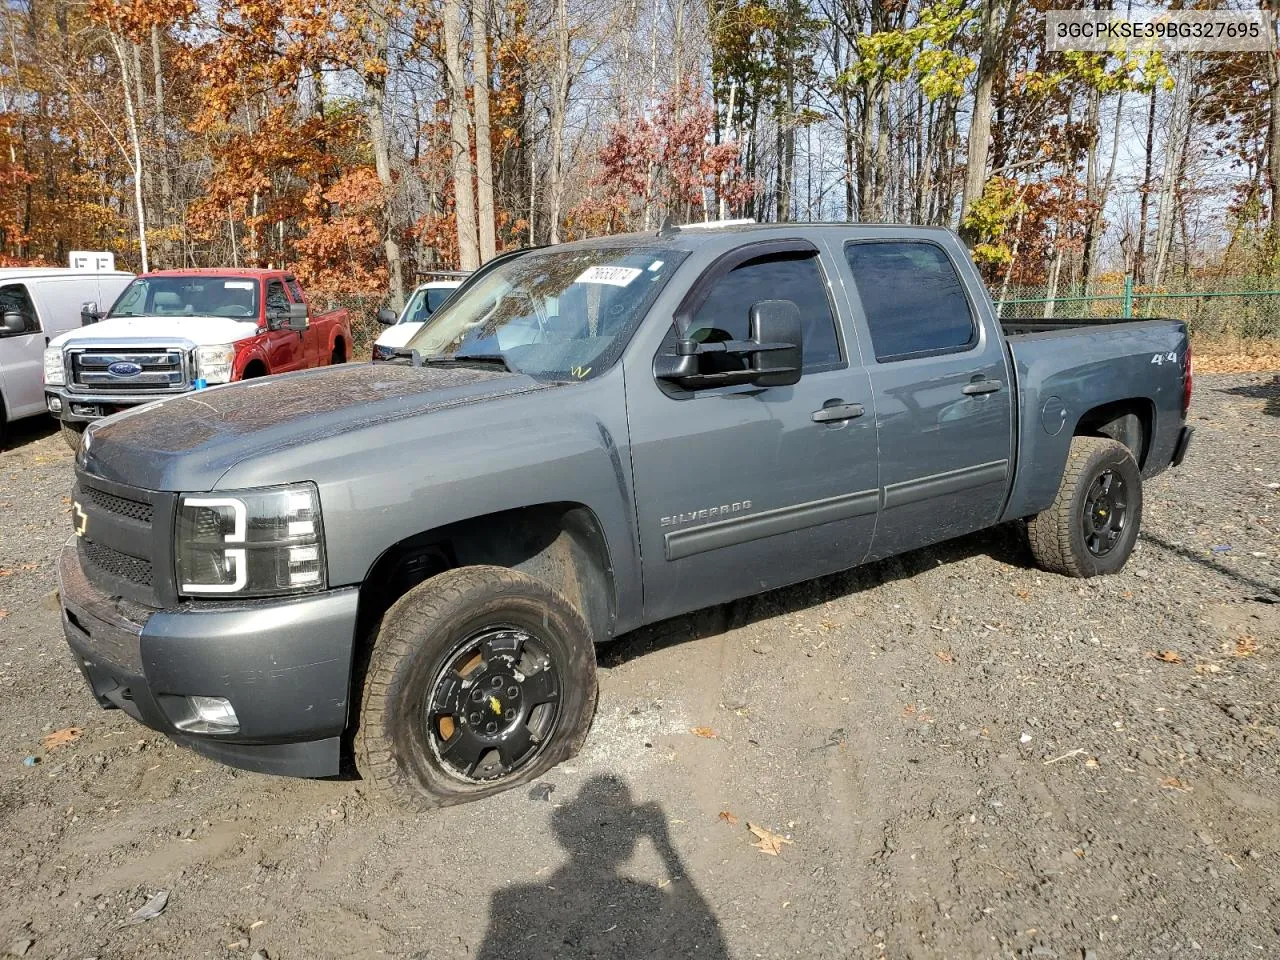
(120, 506)
(129, 371)
(117, 564)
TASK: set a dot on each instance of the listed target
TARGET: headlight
(53, 372)
(213, 364)
(250, 543)
(383, 353)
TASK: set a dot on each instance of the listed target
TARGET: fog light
(55, 404)
(210, 715)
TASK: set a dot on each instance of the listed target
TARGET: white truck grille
(160, 370)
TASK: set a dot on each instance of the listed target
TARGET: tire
(426, 709)
(1076, 539)
(72, 432)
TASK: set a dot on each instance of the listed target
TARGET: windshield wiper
(418, 359)
(493, 358)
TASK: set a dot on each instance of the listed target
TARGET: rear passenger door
(739, 489)
(942, 389)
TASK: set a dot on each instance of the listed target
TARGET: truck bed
(1015, 328)
(1063, 367)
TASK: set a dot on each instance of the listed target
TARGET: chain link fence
(1243, 308)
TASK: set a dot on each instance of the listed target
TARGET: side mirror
(387, 316)
(777, 334)
(774, 354)
(89, 313)
(12, 322)
(296, 319)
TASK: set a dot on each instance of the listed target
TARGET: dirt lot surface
(964, 758)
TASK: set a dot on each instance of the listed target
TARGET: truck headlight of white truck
(53, 371)
(214, 363)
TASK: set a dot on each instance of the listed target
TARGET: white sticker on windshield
(613, 276)
(238, 285)
(655, 266)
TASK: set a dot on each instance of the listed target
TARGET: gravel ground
(965, 758)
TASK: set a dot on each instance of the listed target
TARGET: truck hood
(198, 331)
(188, 442)
(398, 334)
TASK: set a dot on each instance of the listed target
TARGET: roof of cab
(15, 273)
(698, 235)
(257, 273)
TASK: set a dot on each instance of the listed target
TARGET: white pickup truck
(36, 305)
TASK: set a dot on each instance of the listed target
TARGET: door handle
(982, 386)
(838, 412)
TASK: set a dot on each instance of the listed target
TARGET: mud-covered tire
(398, 749)
(1059, 536)
(72, 432)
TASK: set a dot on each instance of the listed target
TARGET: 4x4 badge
(82, 520)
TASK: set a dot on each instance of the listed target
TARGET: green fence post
(1127, 309)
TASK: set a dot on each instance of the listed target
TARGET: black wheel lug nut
(513, 691)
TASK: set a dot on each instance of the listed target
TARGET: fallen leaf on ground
(1175, 783)
(1168, 656)
(60, 738)
(704, 732)
(728, 817)
(151, 909)
(1023, 594)
(767, 841)
(946, 656)
(1246, 646)
(3, 613)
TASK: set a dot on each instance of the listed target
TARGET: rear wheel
(480, 679)
(1092, 526)
(72, 432)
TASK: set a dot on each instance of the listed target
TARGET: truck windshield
(560, 314)
(179, 296)
(425, 302)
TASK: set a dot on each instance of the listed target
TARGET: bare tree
(484, 142)
(459, 122)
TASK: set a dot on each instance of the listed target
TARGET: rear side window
(912, 297)
(725, 314)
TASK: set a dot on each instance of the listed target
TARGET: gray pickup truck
(421, 555)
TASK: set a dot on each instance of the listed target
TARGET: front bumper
(81, 407)
(285, 666)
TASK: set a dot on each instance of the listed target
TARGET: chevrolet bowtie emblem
(82, 520)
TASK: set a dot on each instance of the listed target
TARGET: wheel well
(255, 368)
(340, 348)
(561, 544)
(1127, 421)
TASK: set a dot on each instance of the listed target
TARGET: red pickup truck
(173, 331)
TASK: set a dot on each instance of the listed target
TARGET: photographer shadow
(587, 908)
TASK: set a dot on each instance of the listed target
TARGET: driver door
(285, 348)
(739, 489)
(21, 355)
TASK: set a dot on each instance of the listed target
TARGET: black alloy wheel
(493, 704)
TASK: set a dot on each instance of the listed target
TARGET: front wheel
(72, 432)
(480, 679)
(1092, 526)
